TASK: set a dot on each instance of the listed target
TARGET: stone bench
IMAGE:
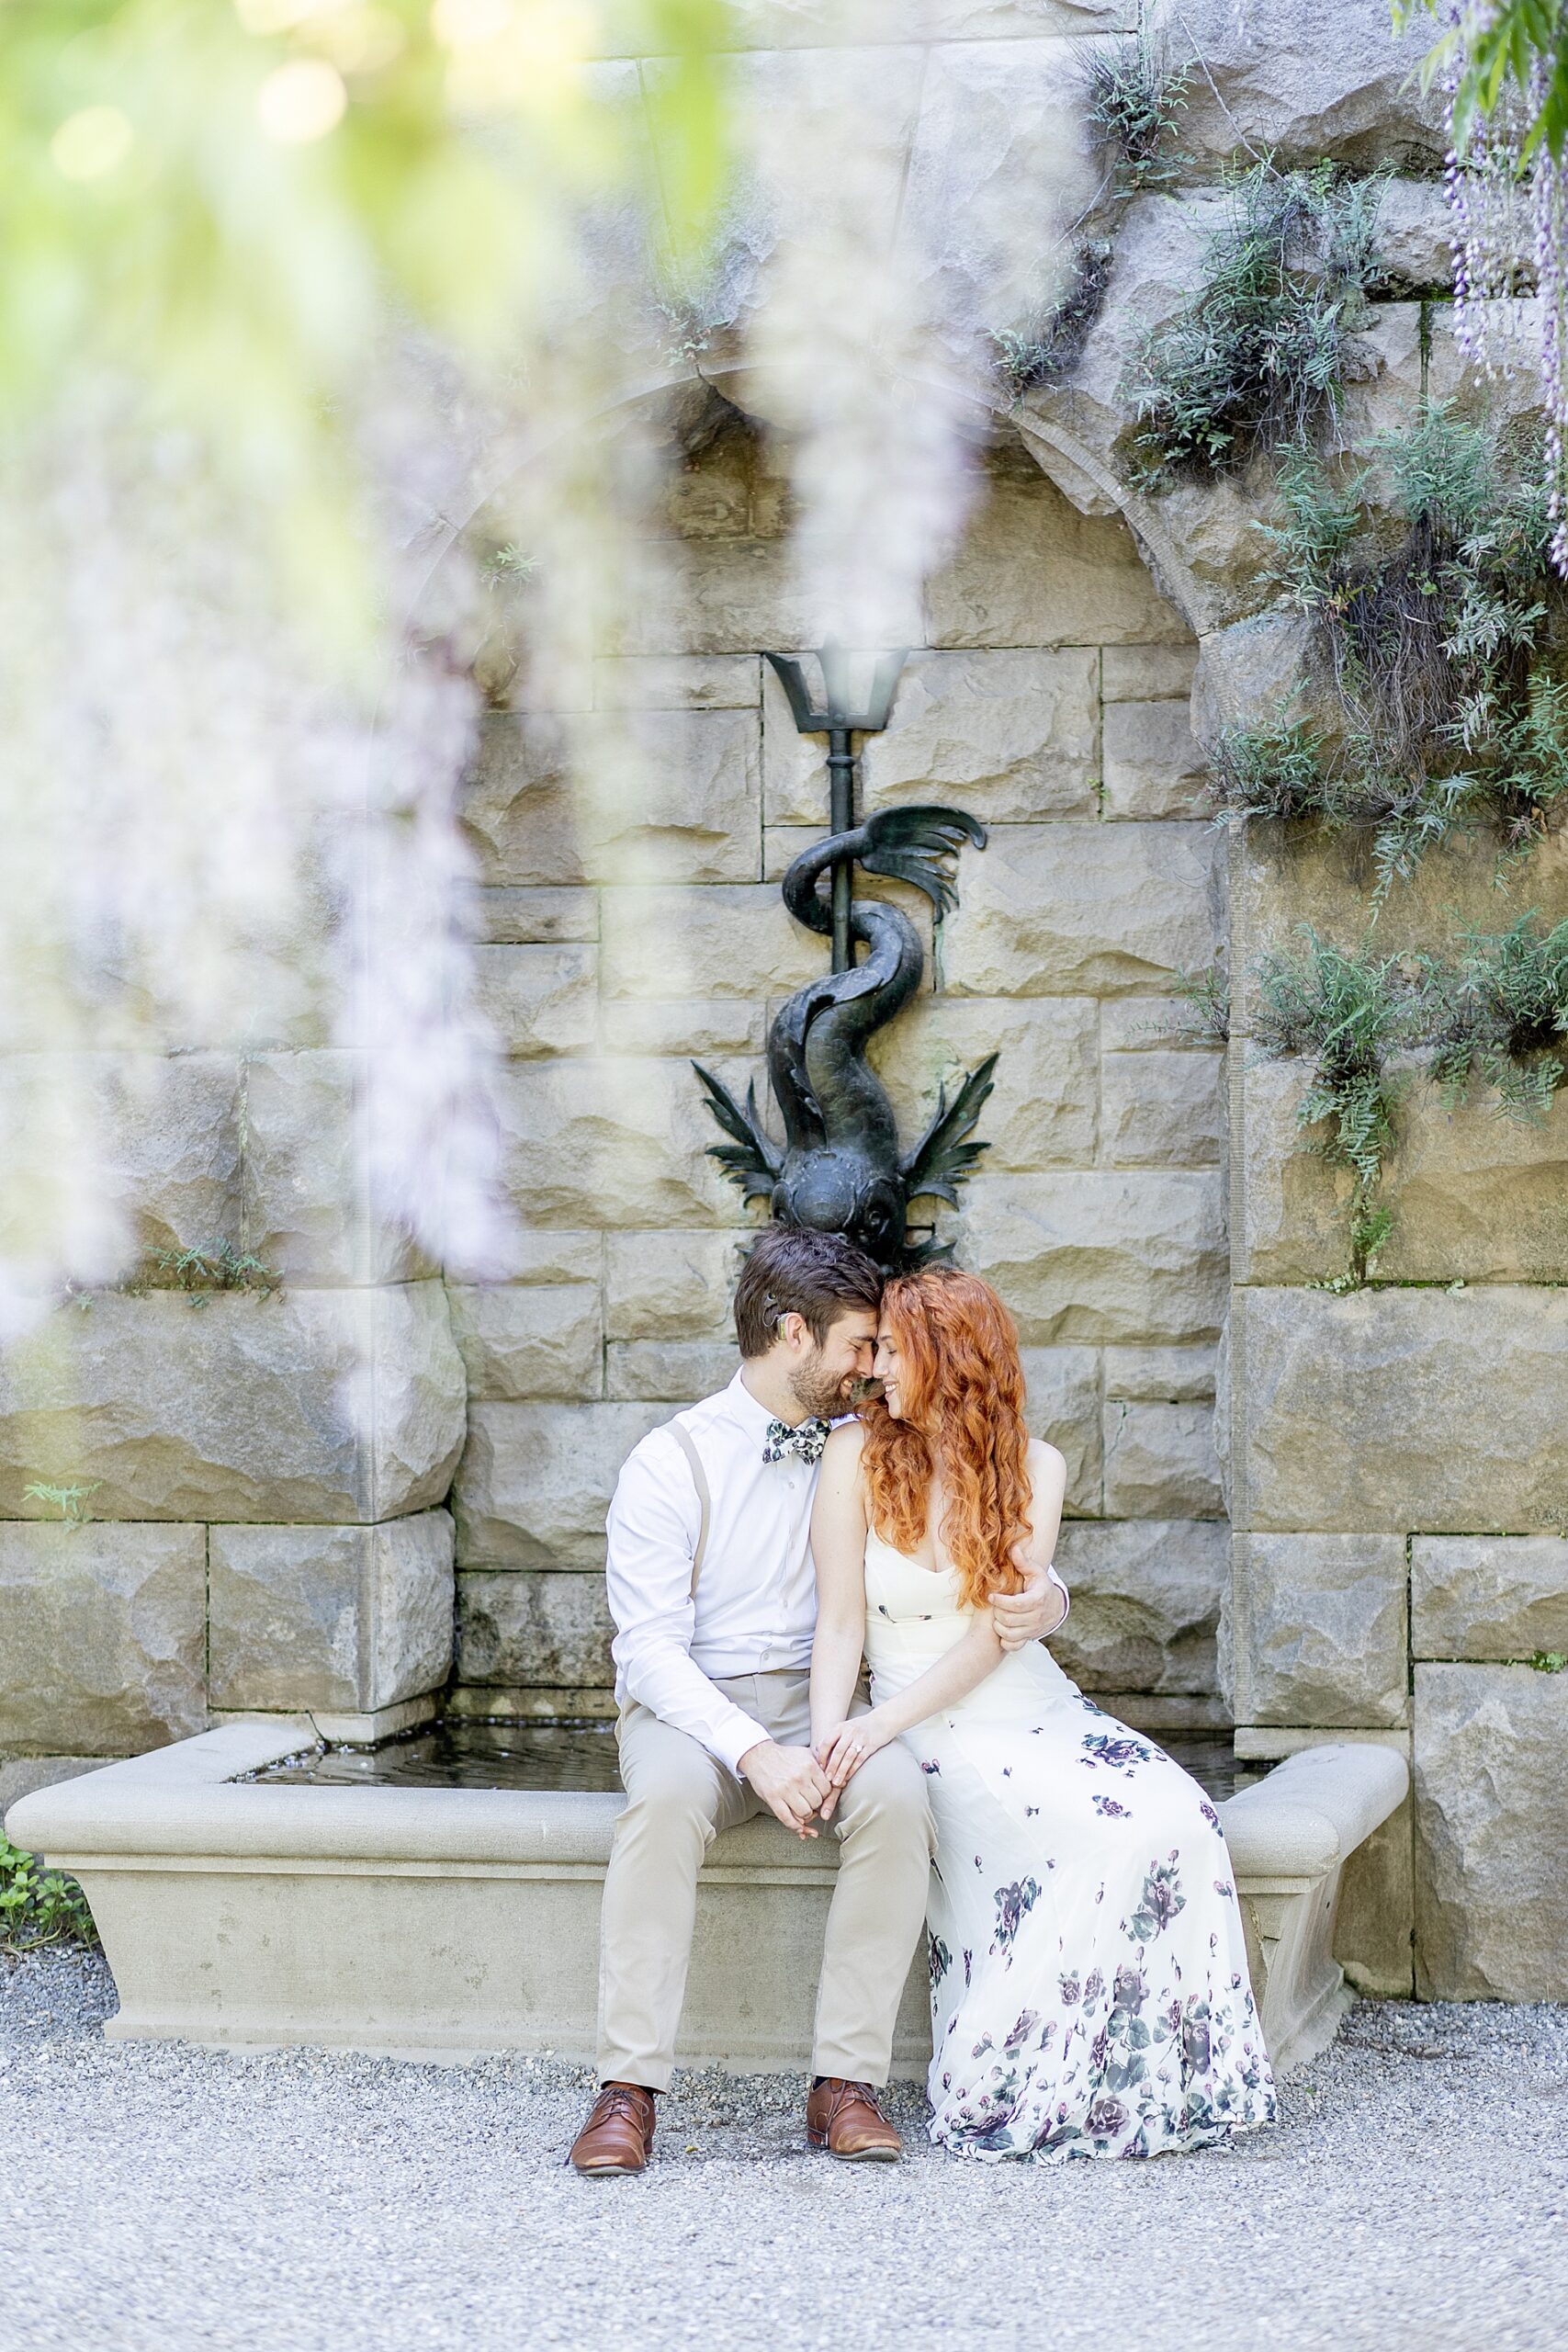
(440, 1923)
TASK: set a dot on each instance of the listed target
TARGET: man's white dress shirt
(755, 1609)
(756, 1602)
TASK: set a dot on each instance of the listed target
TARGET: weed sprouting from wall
(1049, 348)
(1258, 357)
(1499, 1018)
(1346, 1015)
(1134, 110)
(70, 1501)
(1439, 646)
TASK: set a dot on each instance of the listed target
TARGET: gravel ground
(1415, 2195)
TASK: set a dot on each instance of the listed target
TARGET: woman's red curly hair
(959, 1380)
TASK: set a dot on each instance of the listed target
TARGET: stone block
(670, 1286)
(1163, 1109)
(1087, 911)
(21, 1775)
(1475, 1196)
(1491, 1798)
(1160, 1375)
(536, 1481)
(1001, 139)
(1042, 1111)
(1032, 571)
(1145, 1603)
(162, 1132)
(540, 1000)
(103, 1637)
(1374, 1931)
(350, 1619)
(1320, 1630)
(1415, 239)
(1008, 736)
(1159, 1462)
(1503, 1597)
(1322, 78)
(1120, 1256)
(308, 1209)
(683, 1371)
(1146, 673)
(1064, 1409)
(1284, 876)
(529, 1629)
(1400, 1409)
(705, 1025)
(718, 942)
(527, 1340)
(1153, 765)
(544, 918)
(674, 795)
(316, 1406)
(629, 1138)
(540, 1254)
(717, 682)
(1263, 672)
(733, 595)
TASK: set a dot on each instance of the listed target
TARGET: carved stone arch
(1081, 477)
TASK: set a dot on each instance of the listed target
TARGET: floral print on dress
(1101, 2006)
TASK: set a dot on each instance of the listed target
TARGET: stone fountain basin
(439, 1924)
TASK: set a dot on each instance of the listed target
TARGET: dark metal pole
(841, 817)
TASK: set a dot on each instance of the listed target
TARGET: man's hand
(1023, 1617)
(790, 1782)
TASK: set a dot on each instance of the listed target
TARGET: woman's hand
(841, 1753)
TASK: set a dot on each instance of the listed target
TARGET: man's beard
(816, 1393)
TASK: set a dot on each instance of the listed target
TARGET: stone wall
(1046, 692)
(1398, 1480)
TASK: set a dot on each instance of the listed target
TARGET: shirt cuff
(735, 1737)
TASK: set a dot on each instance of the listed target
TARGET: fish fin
(922, 845)
(749, 1159)
(945, 1154)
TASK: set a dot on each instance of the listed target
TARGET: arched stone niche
(1047, 691)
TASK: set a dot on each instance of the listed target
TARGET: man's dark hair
(818, 1276)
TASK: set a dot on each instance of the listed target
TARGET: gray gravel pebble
(155, 2198)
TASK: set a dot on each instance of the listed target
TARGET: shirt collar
(754, 1419)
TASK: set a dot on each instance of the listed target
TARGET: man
(713, 1679)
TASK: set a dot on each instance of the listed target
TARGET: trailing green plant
(1437, 644)
(1259, 356)
(1500, 1017)
(1208, 997)
(1133, 108)
(38, 1906)
(1547, 1661)
(201, 1271)
(1346, 1015)
(1042, 352)
(71, 1502)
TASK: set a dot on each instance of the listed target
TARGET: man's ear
(792, 1329)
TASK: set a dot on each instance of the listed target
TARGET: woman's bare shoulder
(1046, 1461)
(845, 1441)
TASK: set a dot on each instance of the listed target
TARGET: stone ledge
(338, 1916)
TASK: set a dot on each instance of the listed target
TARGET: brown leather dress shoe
(618, 2135)
(845, 2118)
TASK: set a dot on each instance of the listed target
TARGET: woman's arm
(838, 1547)
(1042, 1610)
(952, 1677)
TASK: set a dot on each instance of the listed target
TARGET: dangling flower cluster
(1509, 212)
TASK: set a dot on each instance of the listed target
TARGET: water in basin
(466, 1755)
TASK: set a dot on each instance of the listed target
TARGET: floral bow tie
(806, 1440)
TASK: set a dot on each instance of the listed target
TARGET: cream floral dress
(1089, 1993)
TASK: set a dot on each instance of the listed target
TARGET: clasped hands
(801, 1785)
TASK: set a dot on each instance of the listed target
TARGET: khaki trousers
(677, 1799)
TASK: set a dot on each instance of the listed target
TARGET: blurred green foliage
(214, 207)
(1517, 46)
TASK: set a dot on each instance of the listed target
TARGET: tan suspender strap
(699, 1479)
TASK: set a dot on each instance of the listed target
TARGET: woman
(1089, 1987)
